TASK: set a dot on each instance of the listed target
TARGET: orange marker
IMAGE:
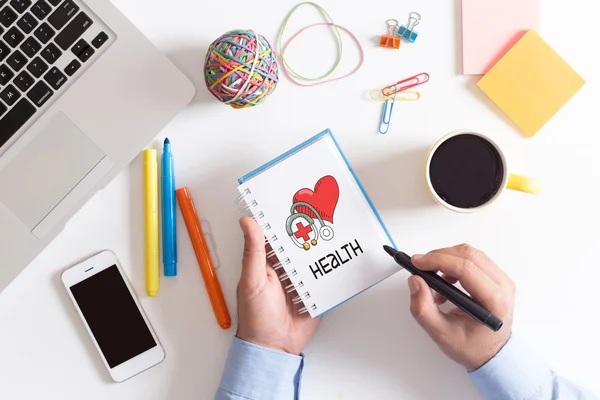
(213, 287)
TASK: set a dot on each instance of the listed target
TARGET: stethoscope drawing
(324, 232)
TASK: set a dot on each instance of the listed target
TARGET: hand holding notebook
(265, 317)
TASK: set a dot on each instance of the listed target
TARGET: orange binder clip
(391, 40)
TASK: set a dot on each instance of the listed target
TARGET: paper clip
(391, 40)
(408, 95)
(386, 115)
(408, 31)
(405, 84)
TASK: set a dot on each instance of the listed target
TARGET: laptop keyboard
(41, 49)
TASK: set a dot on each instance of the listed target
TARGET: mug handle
(523, 184)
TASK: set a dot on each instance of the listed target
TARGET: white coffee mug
(509, 181)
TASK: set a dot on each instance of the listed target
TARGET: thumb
(424, 309)
(255, 259)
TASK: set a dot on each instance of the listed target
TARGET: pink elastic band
(362, 55)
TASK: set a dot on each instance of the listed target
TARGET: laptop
(82, 91)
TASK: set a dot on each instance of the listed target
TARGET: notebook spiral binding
(251, 205)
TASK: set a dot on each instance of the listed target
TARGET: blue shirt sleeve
(256, 373)
(516, 374)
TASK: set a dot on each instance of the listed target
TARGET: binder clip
(408, 31)
(391, 40)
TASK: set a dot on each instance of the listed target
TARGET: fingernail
(413, 286)
(417, 256)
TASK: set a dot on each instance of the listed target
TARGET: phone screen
(113, 316)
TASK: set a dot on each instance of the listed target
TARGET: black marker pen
(450, 292)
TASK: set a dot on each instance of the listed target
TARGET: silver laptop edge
(122, 97)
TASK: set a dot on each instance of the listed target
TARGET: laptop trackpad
(56, 167)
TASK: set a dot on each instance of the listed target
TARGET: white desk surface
(370, 347)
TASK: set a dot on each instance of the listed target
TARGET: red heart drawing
(324, 198)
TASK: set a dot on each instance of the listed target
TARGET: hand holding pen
(460, 337)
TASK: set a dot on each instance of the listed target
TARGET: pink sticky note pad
(492, 27)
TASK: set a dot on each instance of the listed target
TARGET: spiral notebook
(322, 226)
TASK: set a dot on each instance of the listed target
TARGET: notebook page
(348, 256)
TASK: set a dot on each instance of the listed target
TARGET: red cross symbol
(303, 231)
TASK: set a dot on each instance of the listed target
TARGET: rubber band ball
(241, 69)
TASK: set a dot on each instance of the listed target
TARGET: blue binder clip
(407, 32)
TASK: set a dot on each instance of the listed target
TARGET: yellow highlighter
(151, 220)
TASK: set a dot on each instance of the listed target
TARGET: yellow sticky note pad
(531, 83)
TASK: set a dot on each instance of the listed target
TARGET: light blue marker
(169, 226)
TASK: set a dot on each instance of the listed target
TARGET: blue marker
(168, 212)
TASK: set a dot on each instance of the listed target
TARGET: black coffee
(466, 171)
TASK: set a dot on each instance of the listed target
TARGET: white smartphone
(113, 317)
